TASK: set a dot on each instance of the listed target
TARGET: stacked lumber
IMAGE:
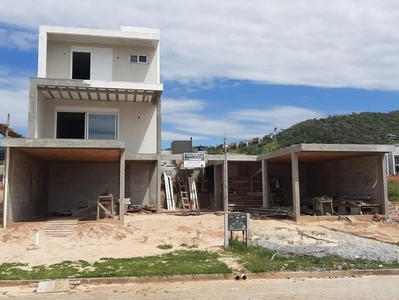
(240, 193)
(65, 227)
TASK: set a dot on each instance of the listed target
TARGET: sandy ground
(142, 233)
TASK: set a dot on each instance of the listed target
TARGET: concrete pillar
(296, 199)
(32, 116)
(122, 166)
(217, 179)
(265, 184)
(158, 183)
(6, 199)
(382, 174)
(225, 186)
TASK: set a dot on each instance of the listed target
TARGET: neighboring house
(1, 153)
(94, 122)
(393, 162)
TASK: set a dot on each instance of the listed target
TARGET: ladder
(185, 199)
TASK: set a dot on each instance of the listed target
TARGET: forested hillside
(362, 128)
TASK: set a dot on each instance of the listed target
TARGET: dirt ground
(142, 233)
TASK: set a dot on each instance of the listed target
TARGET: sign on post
(194, 160)
(236, 222)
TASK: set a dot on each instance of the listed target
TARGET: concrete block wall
(322, 179)
(357, 176)
(26, 185)
(72, 184)
(141, 183)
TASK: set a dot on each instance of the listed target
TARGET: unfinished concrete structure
(93, 125)
(338, 171)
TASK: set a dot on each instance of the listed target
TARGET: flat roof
(134, 36)
(323, 152)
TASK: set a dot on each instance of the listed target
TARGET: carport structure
(336, 170)
(48, 175)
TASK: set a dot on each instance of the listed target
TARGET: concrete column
(225, 187)
(158, 183)
(32, 116)
(6, 187)
(122, 185)
(296, 200)
(265, 184)
(217, 194)
(382, 174)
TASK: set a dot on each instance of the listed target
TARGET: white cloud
(189, 119)
(343, 43)
(16, 39)
(14, 100)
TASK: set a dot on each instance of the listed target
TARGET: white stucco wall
(137, 121)
(58, 64)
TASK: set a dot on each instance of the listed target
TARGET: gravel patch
(327, 242)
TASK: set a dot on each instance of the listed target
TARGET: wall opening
(81, 62)
(70, 125)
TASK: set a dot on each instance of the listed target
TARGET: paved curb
(185, 278)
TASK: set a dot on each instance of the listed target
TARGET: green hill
(361, 128)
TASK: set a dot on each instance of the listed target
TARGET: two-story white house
(93, 126)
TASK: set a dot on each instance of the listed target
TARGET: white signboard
(194, 160)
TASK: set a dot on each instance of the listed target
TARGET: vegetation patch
(393, 188)
(193, 246)
(173, 263)
(165, 246)
(258, 259)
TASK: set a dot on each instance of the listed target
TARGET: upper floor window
(139, 58)
(90, 63)
(87, 125)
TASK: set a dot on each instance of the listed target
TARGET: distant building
(180, 147)
(393, 162)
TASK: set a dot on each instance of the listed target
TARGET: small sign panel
(237, 222)
(194, 160)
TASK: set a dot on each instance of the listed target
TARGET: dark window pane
(133, 58)
(81, 65)
(102, 127)
(70, 125)
(143, 58)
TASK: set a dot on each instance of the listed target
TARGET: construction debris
(6, 130)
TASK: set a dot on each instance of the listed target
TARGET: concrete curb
(186, 278)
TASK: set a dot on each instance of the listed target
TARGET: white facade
(98, 84)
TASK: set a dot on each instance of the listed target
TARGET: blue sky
(241, 68)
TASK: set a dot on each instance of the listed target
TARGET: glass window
(102, 127)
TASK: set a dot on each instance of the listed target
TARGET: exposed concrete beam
(280, 152)
(63, 143)
(141, 157)
(347, 148)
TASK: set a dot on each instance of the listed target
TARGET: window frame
(88, 111)
(138, 59)
(90, 50)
